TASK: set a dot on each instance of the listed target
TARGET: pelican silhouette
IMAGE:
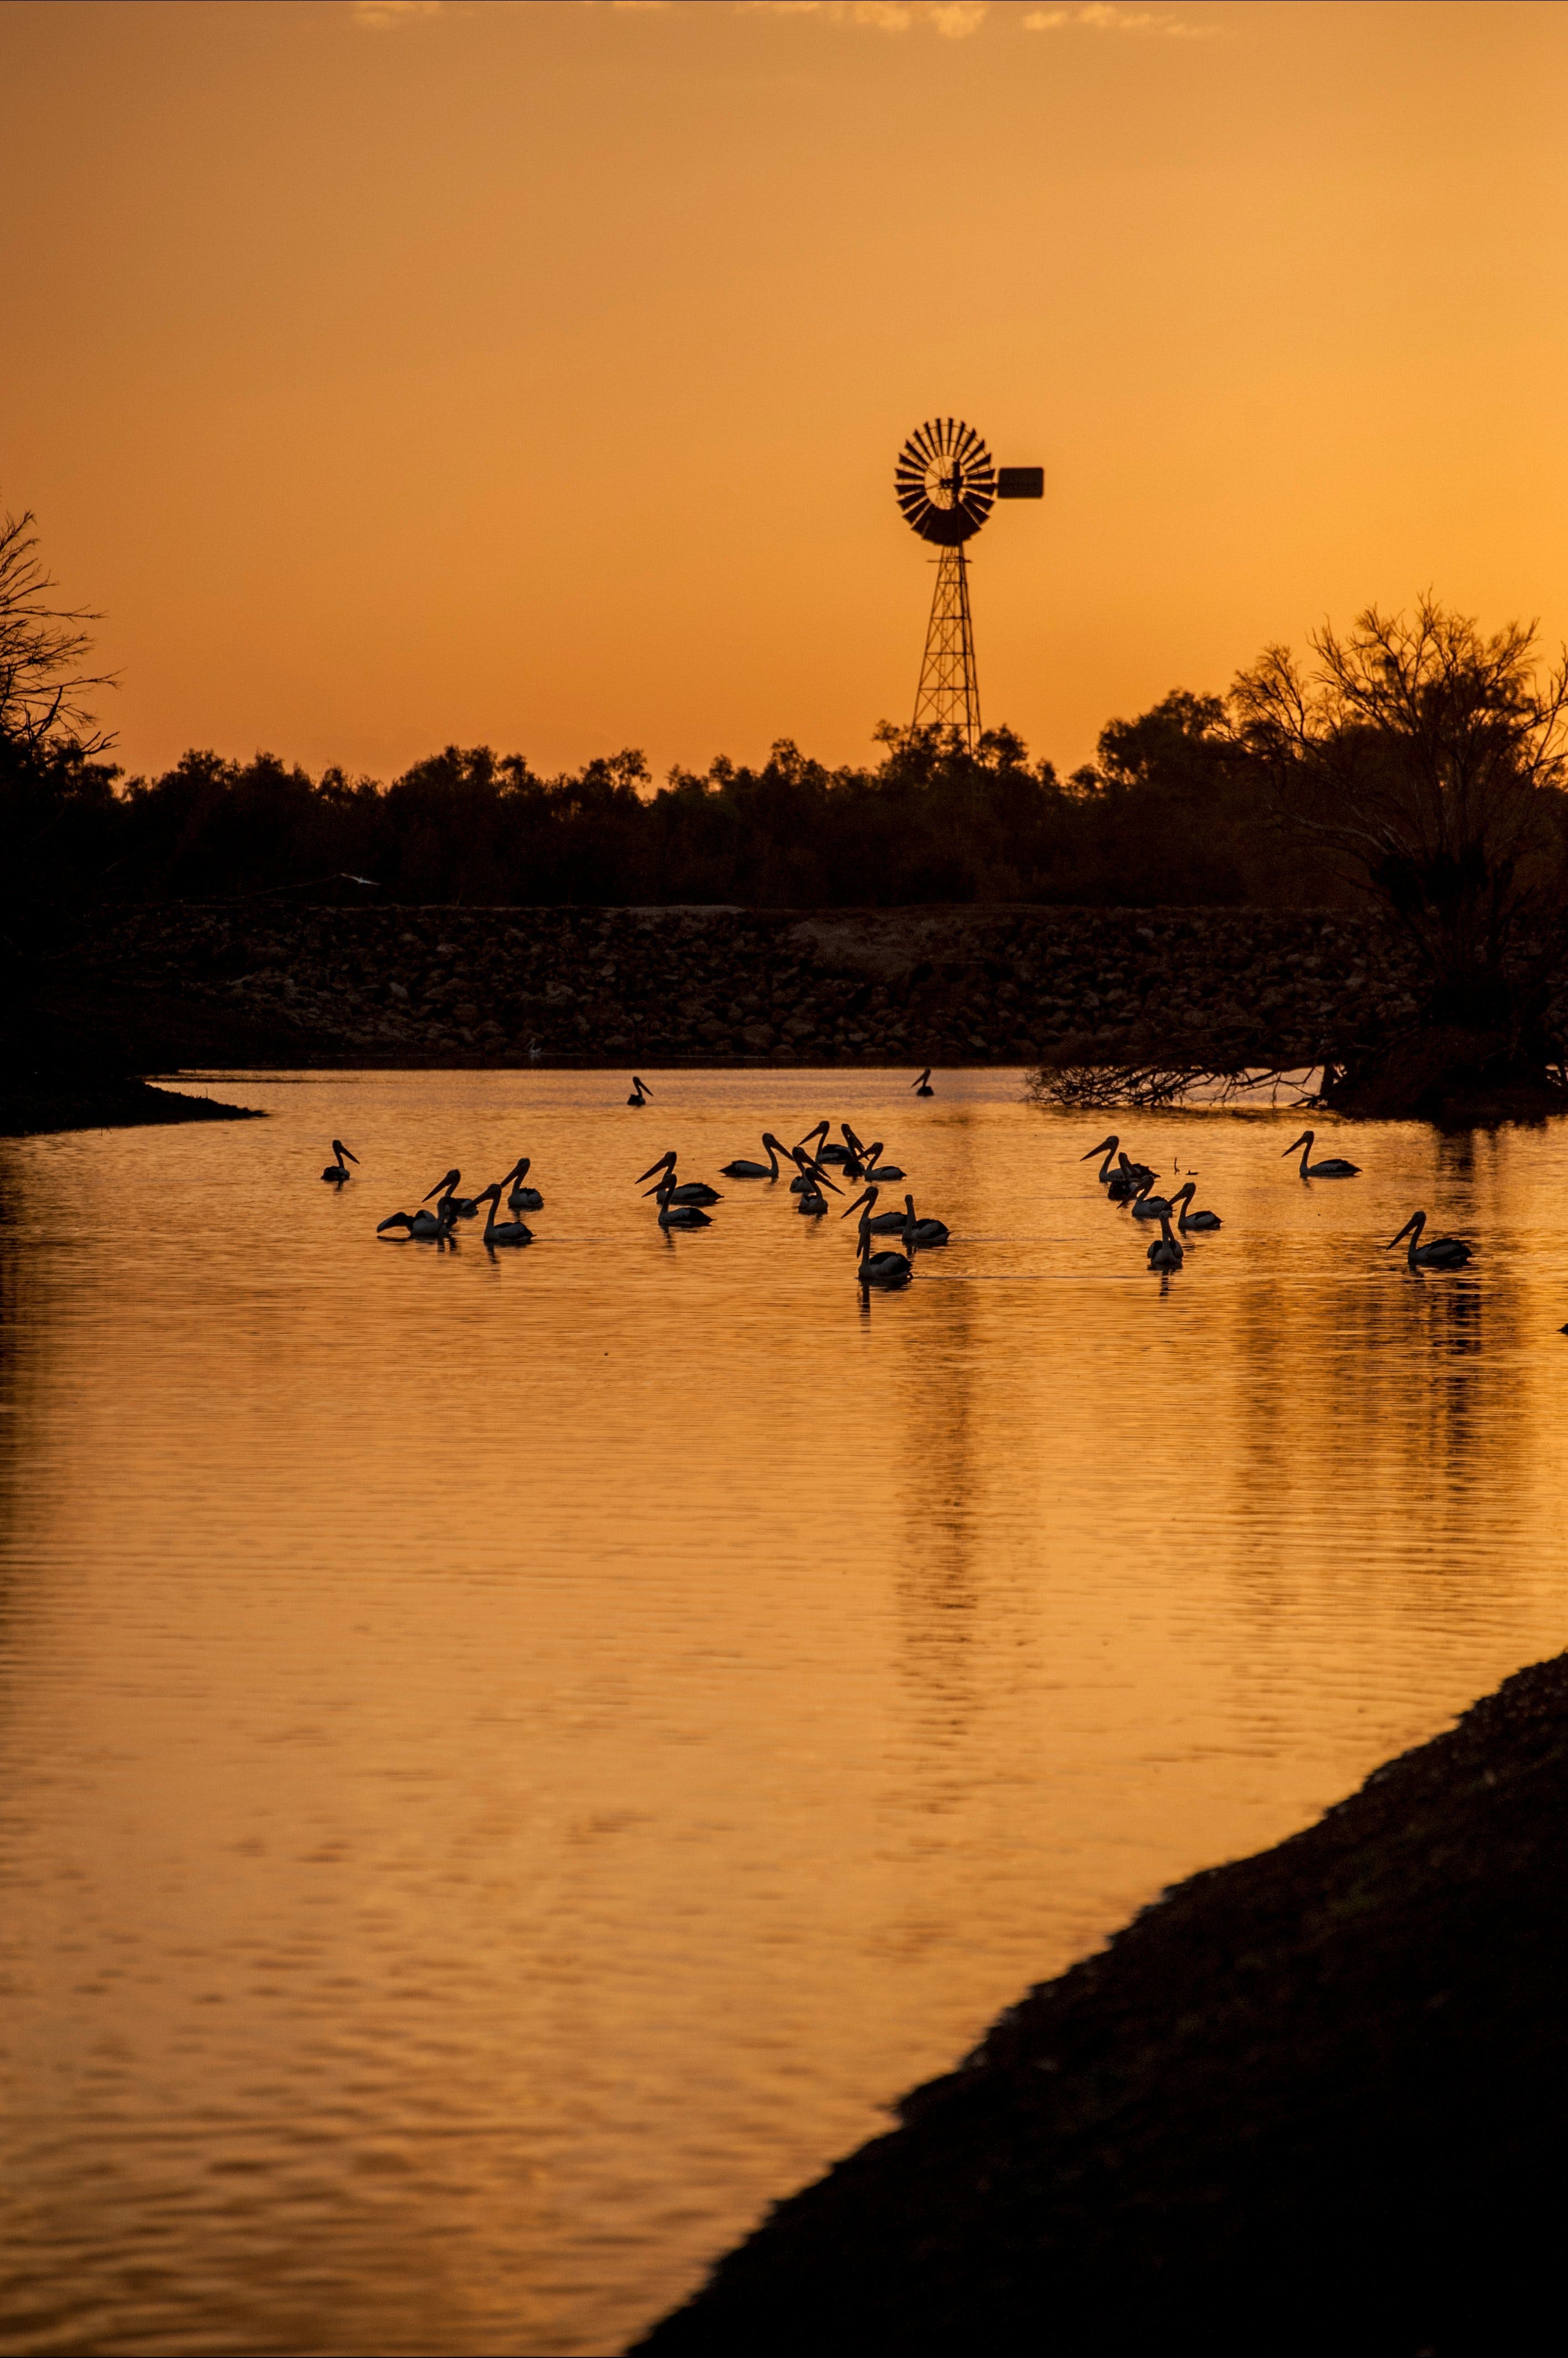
(502, 1232)
(641, 1092)
(674, 1214)
(1147, 1207)
(743, 1169)
(1165, 1254)
(522, 1199)
(1189, 1218)
(1335, 1166)
(463, 1207)
(336, 1174)
(922, 1236)
(1443, 1252)
(685, 1191)
(829, 1149)
(421, 1224)
(923, 1087)
(885, 1172)
(887, 1270)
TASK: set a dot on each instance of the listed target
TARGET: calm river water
(507, 1763)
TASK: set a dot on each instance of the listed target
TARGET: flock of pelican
(1132, 1184)
(682, 1203)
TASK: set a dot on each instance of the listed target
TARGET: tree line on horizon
(1167, 813)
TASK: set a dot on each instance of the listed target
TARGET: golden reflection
(510, 1763)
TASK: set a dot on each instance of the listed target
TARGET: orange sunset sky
(534, 373)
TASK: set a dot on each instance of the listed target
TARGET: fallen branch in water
(1084, 1087)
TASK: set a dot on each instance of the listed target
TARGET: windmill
(945, 484)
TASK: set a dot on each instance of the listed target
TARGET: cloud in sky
(954, 18)
(1105, 17)
(386, 15)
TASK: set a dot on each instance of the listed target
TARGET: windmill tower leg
(949, 690)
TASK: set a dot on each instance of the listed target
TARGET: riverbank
(960, 985)
(1309, 2101)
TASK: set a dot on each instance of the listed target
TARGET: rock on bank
(1314, 2102)
(924, 985)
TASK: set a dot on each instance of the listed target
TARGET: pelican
(421, 1224)
(1107, 1147)
(688, 1191)
(1189, 1218)
(882, 1224)
(827, 1150)
(641, 1092)
(811, 1203)
(854, 1158)
(1334, 1168)
(885, 1172)
(811, 1179)
(923, 1087)
(502, 1232)
(522, 1199)
(1165, 1254)
(1443, 1252)
(673, 1214)
(1146, 1206)
(743, 1169)
(463, 1207)
(922, 1236)
(1127, 1179)
(884, 1268)
(336, 1174)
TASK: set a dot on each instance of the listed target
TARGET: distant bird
(886, 1269)
(336, 1174)
(743, 1169)
(641, 1092)
(687, 1190)
(1335, 1167)
(463, 1207)
(676, 1215)
(923, 1087)
(922, 1236)
(502, 1232)
(522, 1199)
(1191, 1219)
(1165, 1254)
(1147, 1207)
(421, 1224)
(1443, 1252)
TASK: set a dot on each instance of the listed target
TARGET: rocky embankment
(1311, 2102)
(939, 986)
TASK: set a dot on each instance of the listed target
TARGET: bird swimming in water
(1202, 1221)
(421, 1224)
(337, 1173)
(887, 1270)
(685, 1191)
(1335, 1167)
(885, 1172)
(463, 1207)
(1165, 1254)
(1148, 1206)
(502, 1232)
(641, 1092)
(675, 1215)
(922, 1236)
(1443, 1252)
(522, 1199)
(922, 1086)
(742, 1168)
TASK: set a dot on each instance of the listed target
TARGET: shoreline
(1311, 2100)
(45, 1111)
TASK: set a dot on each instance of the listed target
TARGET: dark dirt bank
(922, 985)
(72, 1060)
(1315, 2100)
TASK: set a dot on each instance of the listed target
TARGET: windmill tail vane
(945, 486)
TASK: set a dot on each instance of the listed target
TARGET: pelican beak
(663, 1164)
(450, 1181)
(1103, 1147)
(863, 1198)
(351, 1158)
(1292, 1148)
(1400, 1237)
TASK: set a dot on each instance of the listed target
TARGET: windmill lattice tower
(945, 485)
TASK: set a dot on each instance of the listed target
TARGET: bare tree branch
(42, 647)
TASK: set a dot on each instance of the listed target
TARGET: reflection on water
(506, 1763)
